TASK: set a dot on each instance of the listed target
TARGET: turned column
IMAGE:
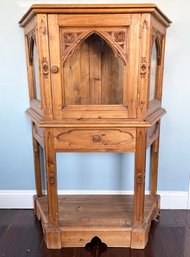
(139, 178)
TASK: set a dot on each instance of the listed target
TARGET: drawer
(90, 140)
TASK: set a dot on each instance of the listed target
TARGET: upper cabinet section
(95, 61)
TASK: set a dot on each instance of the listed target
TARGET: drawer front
(89, 140)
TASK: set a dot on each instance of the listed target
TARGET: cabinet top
(93, 9)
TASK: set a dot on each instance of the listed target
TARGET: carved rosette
(45, 67)
(69, 37)
(143, 67)
(119, 36)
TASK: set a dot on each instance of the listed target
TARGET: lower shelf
(109, 217)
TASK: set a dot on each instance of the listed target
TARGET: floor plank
(21, 236)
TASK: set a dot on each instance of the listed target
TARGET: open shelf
(110, 217)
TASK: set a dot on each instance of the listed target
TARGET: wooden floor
(21, 236)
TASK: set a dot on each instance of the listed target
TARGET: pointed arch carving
(157, 38)
(116, 39)
(31, 40)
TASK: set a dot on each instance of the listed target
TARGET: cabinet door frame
(88, 23)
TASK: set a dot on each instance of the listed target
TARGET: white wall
(16, 163)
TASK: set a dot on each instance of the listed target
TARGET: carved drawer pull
(96, 138)
(54, 69)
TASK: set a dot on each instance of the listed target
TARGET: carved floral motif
(143, 67)
(69, 37)
(45, 67)
(119, 36)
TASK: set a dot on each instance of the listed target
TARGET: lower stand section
(109, 217)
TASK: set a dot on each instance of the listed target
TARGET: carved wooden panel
(95, 139)
(115, 37)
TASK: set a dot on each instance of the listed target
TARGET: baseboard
(23, 199)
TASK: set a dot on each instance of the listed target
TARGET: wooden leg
(154, 166)
(51, 177)
(139, 179)
(37, 167)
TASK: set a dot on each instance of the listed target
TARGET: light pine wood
(108, 216)
(51, 177)
(139, 178)
(37, 167)
(154, 163)
(44, 60)
(91, 140)
(94, 72)
(95, 8)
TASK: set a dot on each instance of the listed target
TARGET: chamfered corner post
(154, 164)
(37, 166)
(51, 178)
(139, 178)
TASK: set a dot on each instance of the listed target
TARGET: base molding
(23, 199)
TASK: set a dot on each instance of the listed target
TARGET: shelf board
(110, 217)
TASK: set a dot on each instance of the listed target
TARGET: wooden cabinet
(95, 77)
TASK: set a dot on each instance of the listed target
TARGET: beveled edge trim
(95, 123)
(92, 8)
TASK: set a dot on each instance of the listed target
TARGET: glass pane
(36, 73)
(93, 75)
(153, 69)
